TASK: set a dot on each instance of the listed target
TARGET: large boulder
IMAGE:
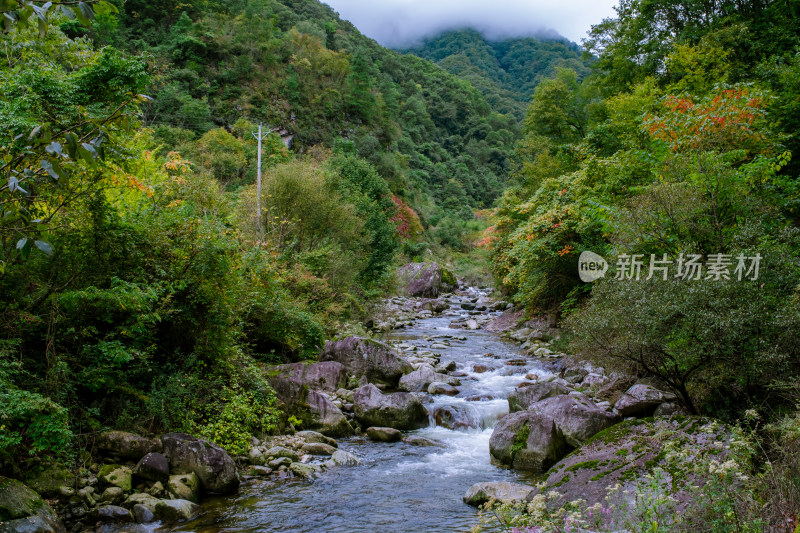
(422, 377)
(174, 510)
(521, 399)
(289, 381)
(152, 467)
(124, 446)
(641, 400)
(116, 476)
(320, 414)
(365, 357)
(400, 410)
(47, 480)
(624, 454)
(426, 279)
(213, 466)
(23, 510)
(527, 441)
(575, 416)
(501, 491)
(457, 416)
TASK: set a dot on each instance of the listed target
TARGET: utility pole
(258, 180)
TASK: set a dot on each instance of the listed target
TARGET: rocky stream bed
(459, 400)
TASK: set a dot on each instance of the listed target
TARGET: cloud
(403, 22)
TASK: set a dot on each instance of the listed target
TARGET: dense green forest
(506, 71)
(681, 143)
(136, 277)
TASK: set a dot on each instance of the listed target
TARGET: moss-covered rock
(116, 476)
(626, 452)
(426, 279)
(22, 509)
(48, 479)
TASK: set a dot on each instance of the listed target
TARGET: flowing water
(398, 487)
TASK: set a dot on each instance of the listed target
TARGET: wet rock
(522, 398)
(527, 441)
(400, 410)
(381, 434)
(419, 379)
(505, 322)
(423, 442)
(472, 324)
(342, 458)
(306, 471)
(152, 467)
(456, 417)
(438, 387)
(313, 436)
(213, 466)
(175, 510)
(279, 462)
(256, 470)
(500, 491)
(184, 487)
(113, 513)
(23, 510)
(426, 279)
(516, 362)
(641, 400)
(116, 476)
(479, 398)
(317, 448)
(125, 446)
(378, 362)
(479, 368)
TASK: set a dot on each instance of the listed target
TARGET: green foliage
(241, 416)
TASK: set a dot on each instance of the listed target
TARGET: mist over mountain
(403, 23)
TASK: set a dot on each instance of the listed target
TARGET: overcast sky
(402, 22)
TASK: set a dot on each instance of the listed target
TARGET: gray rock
(290, 380)
(400, 410)
(377, 361)
(521, 399)
(317, 448)
(24, 511)
(576, 417)
(281, 451)
(279, 462)
(126, 446)
(48, 480)
(625, 453)
(669, 409)
(421, 378)
(319, 412)
(143, 499)
(527, 441)
(438, 387)
(342, 458)
(256, 457)
(113, 513)
(255, 470)
(575, 375)
(152, 467)
(501, 491)
(174, 510)
(423, 442)
(380, 434)
(456, 417)
(313, 436)
(306, 471)
(426, 279)
(142, 514)
(641, 400)
(213, 466)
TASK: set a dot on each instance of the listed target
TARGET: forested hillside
(140, 289)
(680, 148)
(506, 71)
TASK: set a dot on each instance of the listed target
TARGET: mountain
(506, 71)
(296, 66)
